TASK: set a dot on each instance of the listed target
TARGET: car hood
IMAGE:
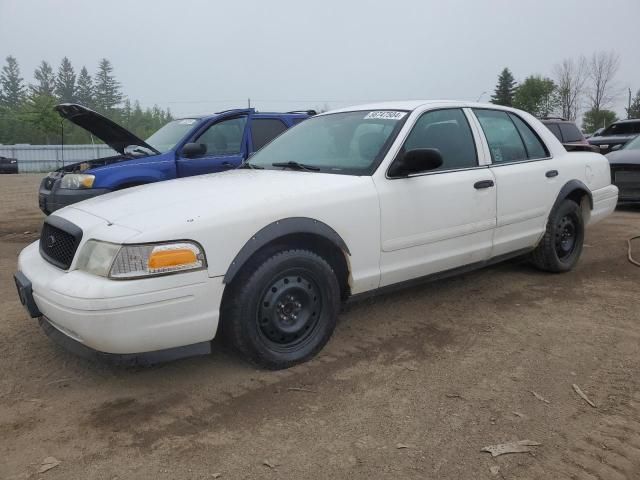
(114, 135)
(622, 157)
(232, 196)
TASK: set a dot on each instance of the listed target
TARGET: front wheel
(561, 246)
(282, 311)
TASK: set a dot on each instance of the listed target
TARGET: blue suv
(182, 148)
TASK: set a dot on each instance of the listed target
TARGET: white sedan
(348, 203)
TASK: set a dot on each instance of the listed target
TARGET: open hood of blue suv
(114, 135)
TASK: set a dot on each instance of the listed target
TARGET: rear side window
(555, 129)
(502, 136)
(449, 132)
(263, 130)
(570, 133)
(533, 145)
(623, 128)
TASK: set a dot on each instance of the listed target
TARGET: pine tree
(45, 80)
(106, 89)
(13, 89)
(66, 82)
(634, 110)
(505, 89)
(84, 89)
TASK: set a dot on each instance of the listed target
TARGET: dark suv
(565, 130)
(618, 133)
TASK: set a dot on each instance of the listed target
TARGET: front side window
(263, 130)
(348, 142)
(448, 132)
(224, 137)
(502, 136)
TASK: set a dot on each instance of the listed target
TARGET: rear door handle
(551, 173)
(483, 184)
(226, 165)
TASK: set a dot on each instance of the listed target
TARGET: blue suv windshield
(167, 137)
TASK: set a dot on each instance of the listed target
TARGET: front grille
(59, 241)
(627, 179)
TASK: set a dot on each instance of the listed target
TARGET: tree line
(584, 85)
(26, 110)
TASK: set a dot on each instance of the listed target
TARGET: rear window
(626, 128)
(570, 133)
(555, 129)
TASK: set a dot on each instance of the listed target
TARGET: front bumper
(127, 316)
(55, 198)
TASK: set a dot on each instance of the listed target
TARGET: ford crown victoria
(348, 203)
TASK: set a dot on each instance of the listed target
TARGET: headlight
(137, 261)
(77, 180)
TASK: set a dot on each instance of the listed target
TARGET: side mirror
(194, 149)
(416, 161)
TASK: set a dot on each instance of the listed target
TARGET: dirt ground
(412, 385)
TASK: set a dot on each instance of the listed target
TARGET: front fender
(278, 229)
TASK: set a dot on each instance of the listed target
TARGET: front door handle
(483, 184)
(551, 173)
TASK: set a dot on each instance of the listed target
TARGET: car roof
(627, 120)
(414, 104)
(556, 120)
(208, 116)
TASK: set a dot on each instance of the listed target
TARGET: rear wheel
(283, 310)
(561, 246)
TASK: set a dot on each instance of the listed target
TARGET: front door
(225, 146)
(441, 219)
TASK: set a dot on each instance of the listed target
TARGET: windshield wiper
(296, 166)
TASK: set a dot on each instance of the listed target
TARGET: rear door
(226, 142)
(526, 179)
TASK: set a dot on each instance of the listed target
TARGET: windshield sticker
(187, 121)
(385, 115)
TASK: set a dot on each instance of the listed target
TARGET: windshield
(167, 137)
(623, 128)
(349, 143)
(633, 144)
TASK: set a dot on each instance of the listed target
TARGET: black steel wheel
(565, 236)
(561, 245)
(282, 310)
(289, 311)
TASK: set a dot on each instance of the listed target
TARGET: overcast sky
(200, 56)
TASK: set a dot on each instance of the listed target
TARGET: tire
(283, 309)
(561, 245)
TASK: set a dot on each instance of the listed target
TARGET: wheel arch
(297, 232)
(574, 190)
